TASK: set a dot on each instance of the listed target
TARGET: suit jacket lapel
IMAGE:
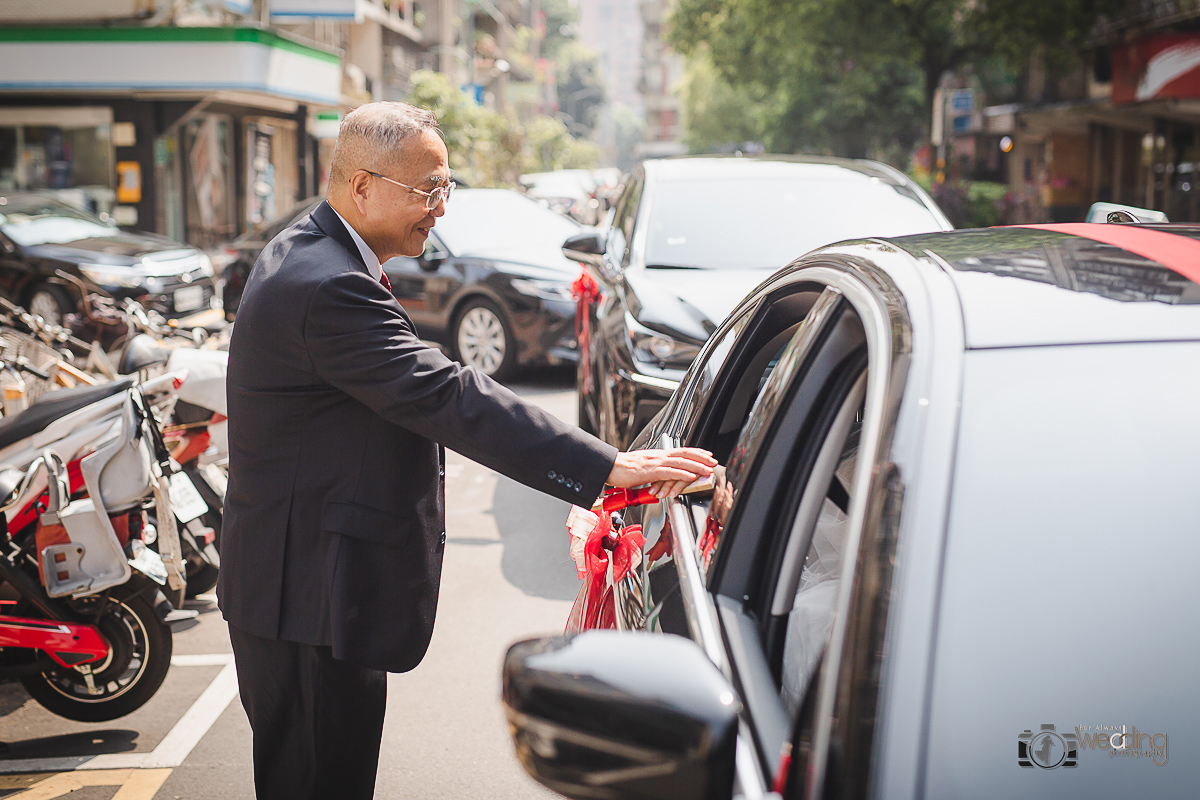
(327, 220)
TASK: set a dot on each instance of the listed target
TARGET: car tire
(482, 338)
(582, 404)
(50, 302)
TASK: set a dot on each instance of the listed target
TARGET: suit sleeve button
(551, 474)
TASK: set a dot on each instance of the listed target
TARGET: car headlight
(546, 290)
(108, 275)
(206, 267)
(652, 347)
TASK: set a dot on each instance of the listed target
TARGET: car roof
(1080, 283)
(771, 166)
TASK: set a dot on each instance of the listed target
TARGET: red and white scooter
(84, 622)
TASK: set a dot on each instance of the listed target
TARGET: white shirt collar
(368, 255)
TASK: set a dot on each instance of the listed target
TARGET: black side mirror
(586, 248)
(606, 715)
(430, 260)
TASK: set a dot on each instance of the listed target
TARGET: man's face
(398, 218)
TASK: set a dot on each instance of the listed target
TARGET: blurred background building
(1122, 126)
(661, 72)
(198, 119)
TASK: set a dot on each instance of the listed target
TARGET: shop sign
(316, 9)
(1157, 67)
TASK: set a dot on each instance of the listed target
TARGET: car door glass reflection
(811, 616)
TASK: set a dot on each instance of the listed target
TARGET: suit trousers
(317, 721)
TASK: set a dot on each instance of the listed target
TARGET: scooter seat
(140, 352)
(55, 405)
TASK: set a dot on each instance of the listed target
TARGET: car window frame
(625, 214)
(880, 306)
(817, 372)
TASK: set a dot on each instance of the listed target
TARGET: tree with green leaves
(490, 149)
(857, 77)
(715, 115)
(580, 86)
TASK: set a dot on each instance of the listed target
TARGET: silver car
(951, 551)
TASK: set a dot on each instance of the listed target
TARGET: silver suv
(950, 552)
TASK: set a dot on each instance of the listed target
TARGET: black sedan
(689, 238)
(492, 286)
(52, 254)
(242, 252)
(951, 552)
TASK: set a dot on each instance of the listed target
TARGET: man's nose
(440, 209)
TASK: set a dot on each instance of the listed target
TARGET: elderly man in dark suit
(334, 520)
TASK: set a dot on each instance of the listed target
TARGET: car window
(729, 382)
(808, 608)
(493, 221)
(35, 220)
(777, 523)
(620, 233)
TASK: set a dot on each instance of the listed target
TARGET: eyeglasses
(439, 195)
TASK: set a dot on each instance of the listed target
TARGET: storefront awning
(245, 61)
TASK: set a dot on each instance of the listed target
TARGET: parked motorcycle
(84, 621)
(196, 430)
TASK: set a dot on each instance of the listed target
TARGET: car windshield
(481, 221)
(562, 184)
(768, 222)
(32, 221)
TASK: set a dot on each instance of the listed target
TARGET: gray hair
(372, 136)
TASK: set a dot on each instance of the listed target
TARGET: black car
(492, 286)
(242, 252)
(689, 238)
(951, 551)
(52, 253)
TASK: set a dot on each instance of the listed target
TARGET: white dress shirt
(368, 255)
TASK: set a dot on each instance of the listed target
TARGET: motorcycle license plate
(186, 502)
(189, 298)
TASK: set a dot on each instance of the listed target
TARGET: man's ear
(360, 190)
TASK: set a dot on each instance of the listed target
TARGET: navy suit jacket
(334, 522)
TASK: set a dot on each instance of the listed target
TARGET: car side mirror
(430, 260)
(586, 248)
(605, 715)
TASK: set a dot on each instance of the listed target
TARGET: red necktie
(383, 278)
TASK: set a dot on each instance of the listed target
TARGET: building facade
(662, 69)
(1123, 127)
(198, 119)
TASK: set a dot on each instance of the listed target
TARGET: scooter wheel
(201, 578)
(137, 663)
(201, 575)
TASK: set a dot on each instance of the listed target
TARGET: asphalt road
(506, 576)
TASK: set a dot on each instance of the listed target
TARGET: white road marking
(204, 660)
(174, 747)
